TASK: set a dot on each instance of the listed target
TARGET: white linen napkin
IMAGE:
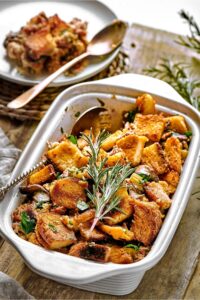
(9, 288)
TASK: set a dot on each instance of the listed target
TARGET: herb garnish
(53, 228)
(131, 115)
(72, 138)
(82, 205)
(106, 180)
(58, 175)
(135, 247)
(27, 223)
(145, 177)
(188, 133)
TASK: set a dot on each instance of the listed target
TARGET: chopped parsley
(82, 205)
(145, 177)
(53, 228)
(135, 247)
(58, 175)
(27, 223)
(188, 133)
(72, 138)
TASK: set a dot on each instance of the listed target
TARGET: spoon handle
(5, 188)
(31, 93)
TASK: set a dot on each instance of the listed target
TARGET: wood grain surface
(177, 275)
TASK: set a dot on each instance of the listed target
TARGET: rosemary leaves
(175, 74)
(105, 180)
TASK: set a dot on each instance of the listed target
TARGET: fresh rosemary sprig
(193, 41)
(176, 76)
(106, 180)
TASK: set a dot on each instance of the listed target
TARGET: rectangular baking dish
(104, 278)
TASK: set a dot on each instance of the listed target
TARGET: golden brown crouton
(74, 222)
(126, 209)
(137, 254)
(173, 153)
(153, 156)
(90, 251)
(172, 177)
(117, 158)
(66, 192)
(147, 221)
(95, 236)
(132, 145)
(117, 232)
(52, 231)
(45, 174)
(146, 104)
(119, 255)
(151, 126)
(67, 155)
(110, 141)
(156, 192)
(176, 123)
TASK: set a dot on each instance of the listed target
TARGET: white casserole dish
(104, 278)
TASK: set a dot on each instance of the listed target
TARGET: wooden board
(171, 277)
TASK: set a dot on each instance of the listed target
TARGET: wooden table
(177, 276)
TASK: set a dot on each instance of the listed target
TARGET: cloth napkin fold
(9, 154)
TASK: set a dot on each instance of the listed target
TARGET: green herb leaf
(53, 228)
(188, 133)
(72, 138)
(145, 177)
(77, 114)
(27, 223)
(131, 115)
(58, 175)
(135, 247)
(82, 205)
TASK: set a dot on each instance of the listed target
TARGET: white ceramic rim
(78, 271)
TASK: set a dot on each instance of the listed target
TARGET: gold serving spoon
(103, 43)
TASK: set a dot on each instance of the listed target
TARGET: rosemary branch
(193, 41)
(175, 74)
(106, 180)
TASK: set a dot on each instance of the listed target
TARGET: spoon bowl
(108, 39)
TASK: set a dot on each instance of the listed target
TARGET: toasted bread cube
(90, 251)
(95, 236)
(147, 221)
(110, 141)
(117, 158)
(176, 123)
(146, 104)
(172, 177)
(153, 156)
(151, 126)
(45, 174)
(126, 209)
(117, 232)
(67, 155)
(74, 222)
(132, 145)
(156, 192)
(119, 255)
(173, 153)
(66, 192)
(52, 231)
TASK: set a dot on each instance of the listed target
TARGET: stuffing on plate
(103, 196)
(44, 44)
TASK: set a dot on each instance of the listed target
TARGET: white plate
(15, 14)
